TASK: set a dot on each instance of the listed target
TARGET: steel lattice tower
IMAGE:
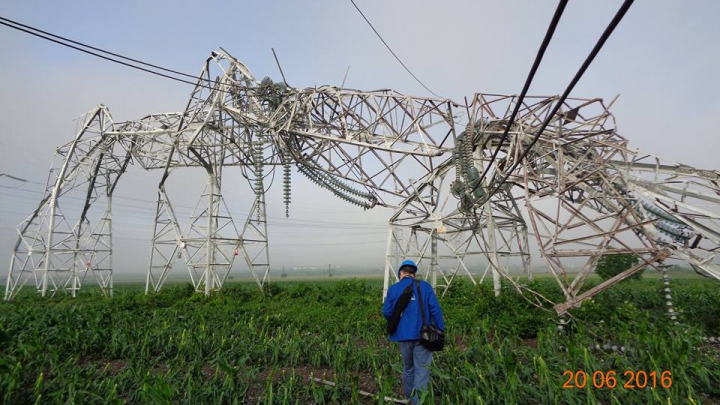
(580, 191)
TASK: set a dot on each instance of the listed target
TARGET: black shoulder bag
(431, 337)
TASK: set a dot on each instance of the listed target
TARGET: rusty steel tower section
(464, 200)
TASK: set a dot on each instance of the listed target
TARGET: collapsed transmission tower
(579, 191)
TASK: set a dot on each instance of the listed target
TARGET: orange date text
(629, 379)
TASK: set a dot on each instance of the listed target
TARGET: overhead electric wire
(19, 179)
(93, 53)
(97, 49)
(391, 51)
(47, 36)
(272, 220)
(44, 35)
(188, 209)
(596, 49)
(518, 104)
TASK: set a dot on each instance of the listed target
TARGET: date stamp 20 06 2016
(629, 379)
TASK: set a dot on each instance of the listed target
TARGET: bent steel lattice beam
(580, 191)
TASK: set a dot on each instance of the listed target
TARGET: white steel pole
(494, 263)
(110, 244)
(210, 231)
(433, 258)
(388, 265)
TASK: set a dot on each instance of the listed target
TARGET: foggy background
(663, 59)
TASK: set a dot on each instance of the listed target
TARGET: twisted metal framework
(584, 192)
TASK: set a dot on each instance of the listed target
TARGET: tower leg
(492, 249)
(254, 242)
(390, 260)
(167, 243)
(433, 259)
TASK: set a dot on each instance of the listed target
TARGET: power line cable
(47, 36)
(538, 58)
(272, 220)
(94, 53)
(596, 49)
(3, 174)
(154, 202)
(97, 49)
(391, 51)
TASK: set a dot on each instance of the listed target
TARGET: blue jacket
(411, 321)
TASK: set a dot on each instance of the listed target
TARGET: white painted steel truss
(580, 191)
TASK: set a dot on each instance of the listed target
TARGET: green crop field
(283, 347)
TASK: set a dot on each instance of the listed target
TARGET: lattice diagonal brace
(580, 192)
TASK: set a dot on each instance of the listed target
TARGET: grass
(241, 346)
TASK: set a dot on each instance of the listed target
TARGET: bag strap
(398, 310)
(422, 309)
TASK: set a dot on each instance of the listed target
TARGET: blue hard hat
(407, 263)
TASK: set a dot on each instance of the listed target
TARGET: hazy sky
(663, 59)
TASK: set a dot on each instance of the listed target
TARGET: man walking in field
(404, 326)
